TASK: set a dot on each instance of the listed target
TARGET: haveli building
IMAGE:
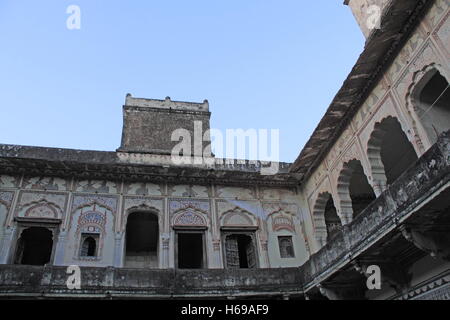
(371, 187)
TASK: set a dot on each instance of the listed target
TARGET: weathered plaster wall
(3, 214)
(120, 283)
(424, 184)
(148, 125)
(8, 186)
(102, 207)
(423, 272)
(427, 49)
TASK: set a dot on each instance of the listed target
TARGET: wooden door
(232, 252)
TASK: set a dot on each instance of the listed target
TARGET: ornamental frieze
(79, 201)
(175, 205)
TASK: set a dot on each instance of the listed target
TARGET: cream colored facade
(426, 53)
(286, 223)
(271, 212)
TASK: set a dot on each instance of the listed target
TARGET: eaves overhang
(119, 166)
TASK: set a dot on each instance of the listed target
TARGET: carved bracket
(342, 292)
(434, 243)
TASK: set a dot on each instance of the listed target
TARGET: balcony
(18, 281)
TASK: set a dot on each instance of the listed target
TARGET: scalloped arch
(237, 217)
(419, 80)
(189, 218)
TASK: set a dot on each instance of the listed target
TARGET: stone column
(379, 186)
(7, 244)
(60, 249)
(118, 250)
(265, 253)
(218, 263)
(165, 240)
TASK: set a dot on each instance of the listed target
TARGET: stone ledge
(85, 164)
(166, 104)
(22, 281)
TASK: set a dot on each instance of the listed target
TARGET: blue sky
(261, 64)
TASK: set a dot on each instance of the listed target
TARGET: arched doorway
(360, 190)
(326, 219)
(354, 190)
(390, 152)
(34, 246)
(240, 251)
(142, 234)
(89, 246)
(432, 104)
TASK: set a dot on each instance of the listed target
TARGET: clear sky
(262, 64)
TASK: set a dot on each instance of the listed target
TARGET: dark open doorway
(433, 106)
(332, 220)
(190, 250)
(397, 153)
(89, 246)
(34, 246)
(361, 191)
(142, 234)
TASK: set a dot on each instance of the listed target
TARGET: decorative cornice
(99, 165)
(138, 108)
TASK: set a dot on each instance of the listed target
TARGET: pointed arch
(237, 217)
(325, 217)
(41, 209)
(91, 217)
(189, 217)
(89, 247)
(143, 207)
(34, 246)
(430, 86)
(354, 190)
(389, 152)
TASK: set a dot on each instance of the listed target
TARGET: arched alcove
(390, 152)
(431, 102)
(89, 247)
(239, 239)
(332, 220)
(354, 190)
(34, 247)
(326, 220)
(141, 243)
(3, 214)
